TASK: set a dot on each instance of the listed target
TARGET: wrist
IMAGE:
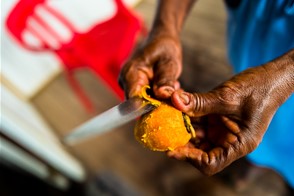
(160, 31)
(280, 75)
(170, 16)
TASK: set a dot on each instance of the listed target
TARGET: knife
(110, 119)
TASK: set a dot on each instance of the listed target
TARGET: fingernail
(166, 90)
(185, 98)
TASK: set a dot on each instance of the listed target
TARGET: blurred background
(59, 64)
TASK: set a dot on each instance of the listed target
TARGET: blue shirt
(258, 32)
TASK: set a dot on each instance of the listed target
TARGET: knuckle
(208, 165)
(229, 95)
(208, 171)
(164, 81)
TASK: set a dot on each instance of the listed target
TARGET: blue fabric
(258, 32)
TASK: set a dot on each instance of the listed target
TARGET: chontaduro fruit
(164, 128)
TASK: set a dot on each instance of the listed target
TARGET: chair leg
(80, 92)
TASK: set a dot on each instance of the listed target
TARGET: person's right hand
(157, 64)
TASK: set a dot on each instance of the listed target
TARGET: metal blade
(112, 118)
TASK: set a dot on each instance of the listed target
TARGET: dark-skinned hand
(232, 119)
(157, 63)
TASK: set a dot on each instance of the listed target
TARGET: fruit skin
(162, 129)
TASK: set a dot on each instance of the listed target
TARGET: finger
(166, 76)
(133, 77)
(208, 163)
(187, 152)
(199, 104)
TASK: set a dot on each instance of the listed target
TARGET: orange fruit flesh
(162, 129)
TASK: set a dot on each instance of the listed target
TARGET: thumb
(166, 78)
(198, 104)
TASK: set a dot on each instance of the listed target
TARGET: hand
(158, 64)
(232, 119)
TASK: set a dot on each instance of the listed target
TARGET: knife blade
(110, 119)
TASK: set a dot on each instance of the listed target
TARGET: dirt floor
(117, 155)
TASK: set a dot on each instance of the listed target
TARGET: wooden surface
(152, 173)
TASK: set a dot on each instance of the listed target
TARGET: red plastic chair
(103, 49)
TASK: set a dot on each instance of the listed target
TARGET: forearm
(170, 16)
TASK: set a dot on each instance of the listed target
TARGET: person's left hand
(232, 119)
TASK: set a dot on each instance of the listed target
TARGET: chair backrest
(24, 23)
(103, 48)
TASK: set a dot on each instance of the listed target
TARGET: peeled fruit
(165, 128)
